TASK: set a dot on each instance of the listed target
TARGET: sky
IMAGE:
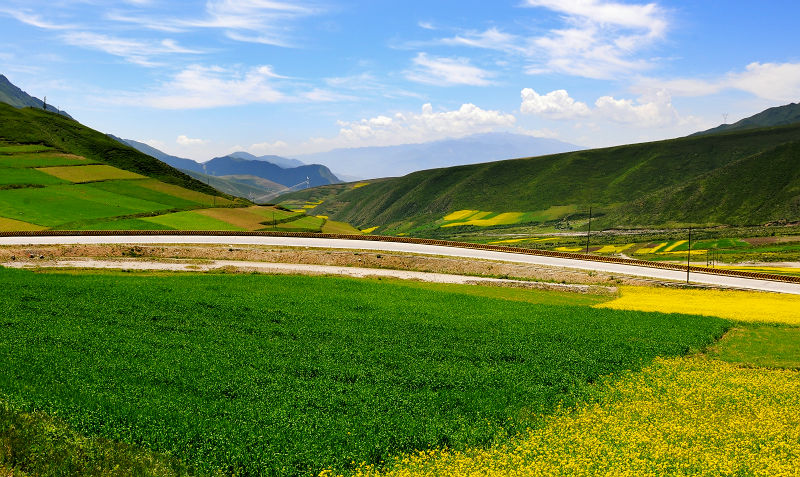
(203, 79)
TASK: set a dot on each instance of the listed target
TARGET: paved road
(655, 273)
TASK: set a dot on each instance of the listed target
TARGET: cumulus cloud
(654, 110)
(428, 125)
(447, 72)
(400, 128)
(555, 104)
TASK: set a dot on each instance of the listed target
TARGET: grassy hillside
(34, 126)
(778, 116)
(742, 177)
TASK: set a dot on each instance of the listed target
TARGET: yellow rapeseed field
(651, 250)
(675, 245)
(733, 304)
(370, 230)
(614, 248)
(679, 416)
(499, 219)
(459, 215)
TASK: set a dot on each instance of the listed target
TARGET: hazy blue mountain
(174, 161)
(14, 96)
(228, 165)
(777, 116)
(391, 161)
(283, 162)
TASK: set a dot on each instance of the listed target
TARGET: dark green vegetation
(44, 445)
(284, 374)
(772, 346)
(34, 126)
(739, 178)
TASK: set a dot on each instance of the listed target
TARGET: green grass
(40, 160)
(55, 205)
(761, 345)
(16, 148)
(135, 190)
(43, 445)
(302, 224)
(190, 221)
(289, 375)
(27, 177)
(119, 224)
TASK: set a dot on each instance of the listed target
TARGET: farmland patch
(41, 160)
(21, 177)
(90, 173)
(291, 375)
(191, 220)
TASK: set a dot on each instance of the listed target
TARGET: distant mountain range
(244, 175)
(391, 161)
(14, 96)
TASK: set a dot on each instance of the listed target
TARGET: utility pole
(589, 231)
(44, 103)
(689, 256)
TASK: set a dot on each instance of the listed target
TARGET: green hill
(35, 126)
(777, 116)
(745, 177)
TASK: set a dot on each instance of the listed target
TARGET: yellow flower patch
(370, 230)
(732, 304)
(614, 248)
(459, 215)
(569, 249)
(500, 219)
(651, 250)
(675, 245)
(360, 184)
(679, 416)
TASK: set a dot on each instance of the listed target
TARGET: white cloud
(253, 21)
(447, 72)
(555, 104)
(29, 18)
(401, 128)
(770, 81)
(654, 110)
(199, 87)
(187, 141)
(596, 39)
(265, 148)
(134, 51)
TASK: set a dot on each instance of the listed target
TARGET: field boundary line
(410, 240)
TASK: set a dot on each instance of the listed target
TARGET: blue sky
(202, 79)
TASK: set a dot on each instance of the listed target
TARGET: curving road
(654, 273)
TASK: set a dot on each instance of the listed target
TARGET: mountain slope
(11, 94)
(35, 126)
(393, 161)
(174, 161)
(565, 185)
(778, 116)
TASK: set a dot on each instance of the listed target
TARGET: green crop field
(191, 220)
(90, 173)
(254, 374)
(15, 148)
(41, 160)
(55, 205)
(26, 177)
(137, 190)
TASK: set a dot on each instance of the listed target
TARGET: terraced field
(44, 188)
